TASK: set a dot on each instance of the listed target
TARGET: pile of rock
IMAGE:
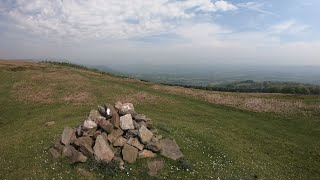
(114, 133)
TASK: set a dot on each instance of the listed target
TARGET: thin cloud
(289, 26)
(110, 19)
(255, 6)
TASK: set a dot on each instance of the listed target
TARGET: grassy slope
(220, 141)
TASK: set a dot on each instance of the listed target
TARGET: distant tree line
(260, 87)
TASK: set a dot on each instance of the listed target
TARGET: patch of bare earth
(253, 103)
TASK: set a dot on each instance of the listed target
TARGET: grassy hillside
(225, 135)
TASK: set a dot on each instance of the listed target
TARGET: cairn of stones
(114, 133)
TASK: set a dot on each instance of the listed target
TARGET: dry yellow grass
(19, 65)
(27, 91)
(137, 98)
(53, 85)
(253, 102)
(79, 97)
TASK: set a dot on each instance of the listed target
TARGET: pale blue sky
(162, 31)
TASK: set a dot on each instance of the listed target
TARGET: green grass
(219, 141)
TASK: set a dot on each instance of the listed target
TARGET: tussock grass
(261, 102)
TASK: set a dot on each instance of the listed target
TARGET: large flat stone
(78, 157)
(126, 122)
(121, 141)
(115, 134)
(102, 150)
(154, 146)
(135, 142)
(89, 124)
(106, 125)
(115, 120)
(126, 108)
(145, 135)
(66, 135)
(170, 149)
(129, 153)
(85, 145)
(73, 154)
(146, 154)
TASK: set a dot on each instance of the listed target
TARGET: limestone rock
(73, 137)
(102, 150)
(110, 110)
(129, 153)
(85, 145)
(78, 157)
(115, 120)
(142, 123)
(58, 146)
(140, 117)
(153, 146)
(67, 151)
(89, 132)
(145, 135)
(126, 108)
(102, 111)
(146, 154)
(71, 152)
(170, 149)
(131, 133)
(96, 134)
(94, 116)
(104, 135)
(155, 167)
(126, 122)
(54, 152)
(135, 142)
(89, 124)
(149, 124)
(66, 135)
(115, 134)
(106, 125)
(121, 141)
(136, 125)
(118, 105)
(117, 151)
(50, 123)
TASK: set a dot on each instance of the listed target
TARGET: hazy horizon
(162, 32)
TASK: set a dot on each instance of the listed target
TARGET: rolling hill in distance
(204, 75)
